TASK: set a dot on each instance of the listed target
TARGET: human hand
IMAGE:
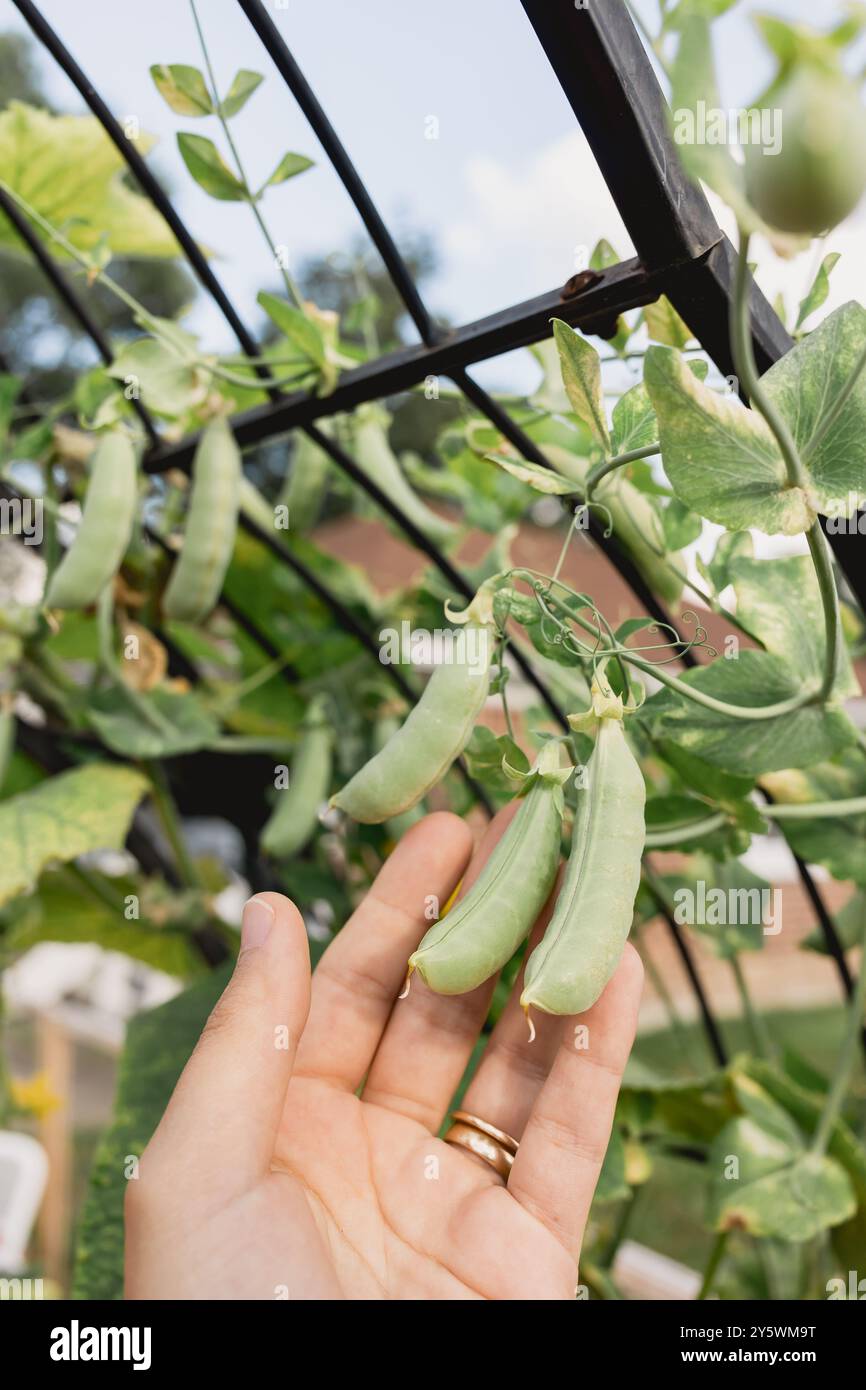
(270, 1177)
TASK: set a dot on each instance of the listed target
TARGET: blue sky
(508, 191)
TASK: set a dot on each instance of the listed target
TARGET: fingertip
(444, 825)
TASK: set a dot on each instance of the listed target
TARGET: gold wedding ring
(493, 1146)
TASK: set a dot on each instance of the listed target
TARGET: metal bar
(609, 81)
(68, 296)
(292, 75)
(711, 1028)
(624, 286)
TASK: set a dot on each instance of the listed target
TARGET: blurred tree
(39, 339)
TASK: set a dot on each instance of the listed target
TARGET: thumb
(221, 1123)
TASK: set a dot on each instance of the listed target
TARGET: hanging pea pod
(570, 967)
(374, 456)
(396, 826)
(435, 732)
(296, 813)
(105, 528)
(211, 524)
(305, 489)
(483, 930)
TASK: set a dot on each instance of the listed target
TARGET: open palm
(269, 1177)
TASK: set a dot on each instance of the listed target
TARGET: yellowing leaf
(86, 809)
(67, 168)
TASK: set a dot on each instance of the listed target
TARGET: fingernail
(257, 921)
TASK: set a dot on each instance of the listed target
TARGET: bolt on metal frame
(606, 75)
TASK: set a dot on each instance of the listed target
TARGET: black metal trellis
(608, 79)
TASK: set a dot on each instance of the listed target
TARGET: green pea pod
(374, 456)
(306, 486)
(396, 826)
(570, 967)
(211, 524)
(103, 534)
(296, 813)
(484, 929)
(435, 733)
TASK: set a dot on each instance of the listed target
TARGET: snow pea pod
(435, 732)
(104, 530)
(374, 456)
(295, 815)
(570, 967)
(305, 488)
(484, 929)
(211, 524)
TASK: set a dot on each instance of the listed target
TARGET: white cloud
(522, 226)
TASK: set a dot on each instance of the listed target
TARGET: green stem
(601, 470)
(501, 666)
(97, 887)
(289, 283)
(621, 1228)
(816, 810)
(170, 821)
(761, 1041)
(689, 692)
(845, 1060)
(823, 562)
(693, 830)
(744, 363)
(716, 1256)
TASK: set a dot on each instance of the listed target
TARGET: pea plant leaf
(290, 165)
(73, 813)
(702, 777)
(244, 83)
(804, 384)
(160, 375)
(720, 458)
(63, 909)
(836, 842)
(763, 1185)
(67, 168)
(302, 331)
(681, 527)
(187, 724)
(819, 289)
(748, 747)
(664, 324)
(848, 923)
(779, 603)
(209, 169)
(550, 395)
(633, 420)
(545, 480)
(182, 88)
(729, 547)
(581, 377)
